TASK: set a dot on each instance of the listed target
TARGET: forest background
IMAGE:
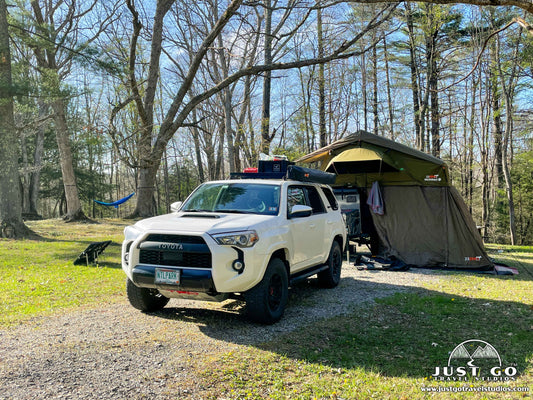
(100, 99)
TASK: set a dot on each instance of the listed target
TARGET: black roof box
(310, 175)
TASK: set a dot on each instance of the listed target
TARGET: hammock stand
(115, 203)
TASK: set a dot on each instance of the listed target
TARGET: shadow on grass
(409, 334)
(105, 264)
(404, 333)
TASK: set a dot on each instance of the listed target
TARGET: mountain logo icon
(474, 350)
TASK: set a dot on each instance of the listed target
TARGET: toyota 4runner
(240, 238)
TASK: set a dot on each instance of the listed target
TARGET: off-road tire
(266, 302)
(331, 277)
(145, 299)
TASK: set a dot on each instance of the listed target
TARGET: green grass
(389, 349)
(38, 277)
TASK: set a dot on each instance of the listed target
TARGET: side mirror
(175, 207)
(299, 211)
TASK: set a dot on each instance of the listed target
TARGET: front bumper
(190, 280)
(197, 275)
(197, 284)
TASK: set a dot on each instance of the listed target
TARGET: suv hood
(200, 222)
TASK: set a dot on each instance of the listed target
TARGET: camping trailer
(425, 221)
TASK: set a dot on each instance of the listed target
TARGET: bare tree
(508, 83)
(152, 144)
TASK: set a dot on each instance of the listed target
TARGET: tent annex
(426, 222)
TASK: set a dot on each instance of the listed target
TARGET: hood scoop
(195, 215)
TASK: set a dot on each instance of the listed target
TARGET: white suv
(242, 238)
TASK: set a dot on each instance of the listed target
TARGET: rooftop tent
(362, 158)
(426, 222)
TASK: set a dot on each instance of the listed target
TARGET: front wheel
(145, 299)
(331, 277)
(265, 302)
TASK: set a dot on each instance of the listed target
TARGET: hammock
(115, 203)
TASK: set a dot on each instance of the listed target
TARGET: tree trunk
(25, 177)
(145, 192)
(35, 180)
(364, 91)
(232, 152)
(485, 216)
(306, 100)
(389, 94)
(219, 165)
(426, 98)
(242, 142)
(434, 96)
(74, 210)
(419, 132)
(227, 101)
(11, 225)
(166, 184)
(375, 87)
(497, 126)
(197, 151)
(321, 83)
(266, 138)
(508, 90)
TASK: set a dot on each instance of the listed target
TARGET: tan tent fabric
(356, 153)
(426, 222)
(429, 226)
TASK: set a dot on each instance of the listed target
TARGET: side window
(295, 196)
(314, 200)
(331, 198)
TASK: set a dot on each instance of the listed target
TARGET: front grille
(156, 237)
(155, 257)
(195, 253)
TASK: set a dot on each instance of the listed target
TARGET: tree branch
(340, 53)
(519, 21)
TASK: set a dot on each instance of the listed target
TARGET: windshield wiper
(198, 210)
(230, 211)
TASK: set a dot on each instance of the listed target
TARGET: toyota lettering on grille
(170, 246)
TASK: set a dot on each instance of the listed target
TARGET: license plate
(167, 276)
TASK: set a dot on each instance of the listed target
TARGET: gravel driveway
(116, 352)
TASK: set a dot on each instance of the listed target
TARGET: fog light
(238, 266)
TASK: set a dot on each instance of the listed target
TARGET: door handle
(312, 226)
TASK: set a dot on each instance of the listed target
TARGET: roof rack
(290, 171)
(258, 175)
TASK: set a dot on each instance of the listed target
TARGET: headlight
(131, 233)
(239, 239)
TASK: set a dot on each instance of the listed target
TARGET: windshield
(245, 198)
